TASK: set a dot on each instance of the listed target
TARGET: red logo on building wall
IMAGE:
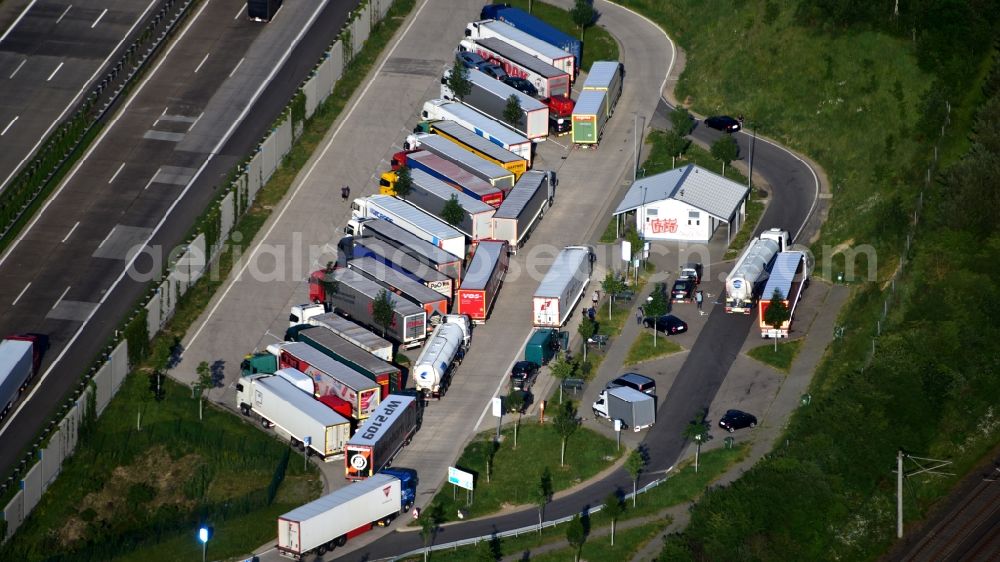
(660, 226)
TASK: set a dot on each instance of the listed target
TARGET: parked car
(470, 60)
(683, 290)
(667, 324)
(523, 374)
(642, 383)
(723, 123)
(493, 70)
(737, 419)
(521, 85)
(692, 271)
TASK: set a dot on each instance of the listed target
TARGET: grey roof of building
(691, 184)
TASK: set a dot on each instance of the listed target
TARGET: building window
(694, 218)
(651, 212)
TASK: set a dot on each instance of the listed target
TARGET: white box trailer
(356, 296)
(547, 79)
(789, 276)
(534, 46)
(490, 129)
(562, 286)
(418, 248)
(431, 195)
(279, 403)
(379, 439)
(481, 147)
(523, 207)
(434, 303)
(489, 96)
(17, 365)
(357, 335)
(607, 77)
(398, 260)
(589, 117)
(486, 170)
(412, 219)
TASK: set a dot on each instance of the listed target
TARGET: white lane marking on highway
(161, 115)
(18, 68)
(503, 382)
(197, 68)
(17, 21)
(240, 12)
(66, 11)
(277, 219)
(110, 232)
(118, 171)
(98, 20)
(70, 233)
(60, 299)
(233, 71)
(200, 115)
(21, 294)
(54, 72)
(4, 132)
(150, 182)
(72, 103)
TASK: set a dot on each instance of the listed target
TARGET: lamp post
(203, 537)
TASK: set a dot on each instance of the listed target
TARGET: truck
(20, 357)
(543, 345)
(328, 522)
(401, 262)
(489, 96)
(484, 169)
(474, 144)
(562, 286)
(523, 207)
(377, 441)
(789, 276)
(515, 17)
(607, 77)
(543, 50)
(349, 393)
(547, 79)
(483, 278)
(258, 363)
(635, 409)
(410, 218)
(360, 337)
(355, 298)
(441, 355)
(434, 303)
(420, 249)
(383, 373)
(746, 280)
(262, 10)
(490, 129)
(311, 426)
(430, 195)
(441, 169)
(589, 117)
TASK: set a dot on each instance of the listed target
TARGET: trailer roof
(590, 102)
(395, 404)
(453, 129)
(350, 351)
(525, 188)
(402, 259)
(503, 91)
(444, 191)
(334, 321)
(383, 273)
(481, 122)
(521, 58)
(372, 289)
(786, 264)
(330, 501)
(488, 253)
(601, 74)
(515, 35)
(455, 172)
(426, 222)
(464, 157)
(410, 241)
(629, 394)
(11, 352)
(305, 403)
(564, 268)
(327, 364)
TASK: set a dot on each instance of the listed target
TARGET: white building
(686, 203)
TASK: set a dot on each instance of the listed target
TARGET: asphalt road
(148, 177)
(48, 60)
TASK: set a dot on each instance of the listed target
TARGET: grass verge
(781, 359)
(628, 541)
(598, 44)
(643, 348)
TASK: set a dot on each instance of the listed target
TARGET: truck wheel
(245, 410)
(407, 507)
(341, 540)
(265, 423)
(321, 549)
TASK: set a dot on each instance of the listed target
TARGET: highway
(49, 57)
(201, 109)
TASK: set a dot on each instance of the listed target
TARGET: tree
(777, 314)
(696, 430)
(725, 150)
(583, 15)
(404, 182)
(512, 112)
(634, 464)
(612, 285)
(452, 212)
(542, 494)
(383, 311)
(613, 507)
(565, 423)
(330, 285)
(515, 403)
(681, 120)
(491, 550)
(656, 307)
(562, 368)
(458, 81)
(492, 447)
(586, 329)
(204, 383)
(675, 146)
(576, 535)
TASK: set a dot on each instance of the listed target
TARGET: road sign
(460, 478)
(497, 407)
(626, 250)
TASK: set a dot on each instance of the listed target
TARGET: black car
(692, 271)
(493, 70)
(470, 60)
(736, 419)
(667, 324)
(521, 85)
(683, 290)
(723, 123)
(523, 373)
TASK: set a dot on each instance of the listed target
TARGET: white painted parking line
(550, 139)
(196, 121)
(112, 230)
(197, 68)
(70, 233)
(4, 132)
(66, 11)
(235, 67)
(54, 72)
(118, 171)
(18, 68)
(21, 294)
(93, 25)
(240, 12)
(149, 183)
(60, 298)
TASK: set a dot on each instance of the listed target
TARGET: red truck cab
(399, 159)
(560, 113)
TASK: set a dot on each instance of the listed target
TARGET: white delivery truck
(410, 218)
(489, 96)
(635, 409)
(745, 281)
(562, 286)
(490, 129)
(522, 208)
(546, 52)
(439, 358)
